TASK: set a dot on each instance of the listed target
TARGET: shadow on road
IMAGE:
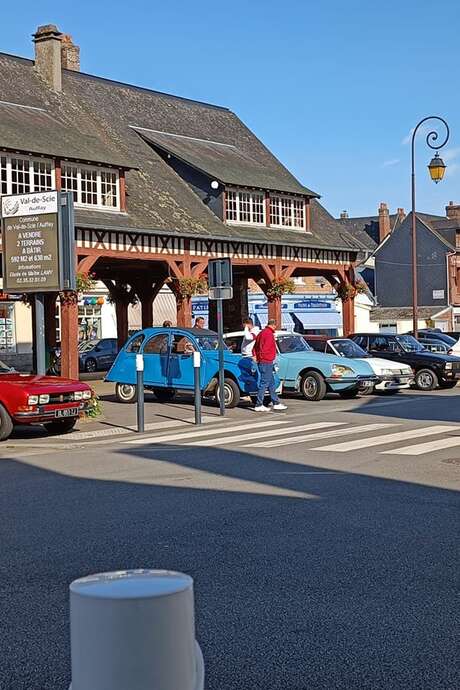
(303, 579)
(414, 407)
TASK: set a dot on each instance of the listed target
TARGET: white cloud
(392, 161)
(450, 154)
(451, 169)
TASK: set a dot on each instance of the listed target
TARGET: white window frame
(92, 168)
(279, 199)
(252, 193)
(31, 160)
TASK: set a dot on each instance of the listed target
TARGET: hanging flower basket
(186, 288)
(280, 287)
(86, 282)
(347, 291)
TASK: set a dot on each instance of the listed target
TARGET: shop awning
(319, 320)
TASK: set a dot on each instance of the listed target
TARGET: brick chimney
(453, 210)
(384, 221)
(47, 41)
(70, 53)
(344, 214)
(401, 214)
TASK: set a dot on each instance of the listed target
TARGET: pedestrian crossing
(280, 431)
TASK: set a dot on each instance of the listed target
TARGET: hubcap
(310, 386)
(425, 380)
(228, 394)
(126, 391)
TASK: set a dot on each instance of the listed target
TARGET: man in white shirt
(249, 338)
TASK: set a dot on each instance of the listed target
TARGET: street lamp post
(436, 169)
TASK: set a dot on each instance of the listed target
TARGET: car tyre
(313, 386)
(231, 393)
(447, 384)
(348, 395)
(164, 394)
(90, 365)
(426, 380)
(61, 426)
(6, 424)
(367, 390)
(126, 393)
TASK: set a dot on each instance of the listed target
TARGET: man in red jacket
(265, 354)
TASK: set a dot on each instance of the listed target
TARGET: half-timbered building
(161, 184)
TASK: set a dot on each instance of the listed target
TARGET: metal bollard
(134, 629)
(140, 392)
(196, 378)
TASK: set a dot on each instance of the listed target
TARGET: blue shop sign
(312, 304)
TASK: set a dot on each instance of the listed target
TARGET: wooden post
(184, 311)
(147, 310)
(348, 316)
(121, 311)
(274, 310)
(69, 335)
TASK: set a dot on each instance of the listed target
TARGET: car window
(135, 344)
(292, 343)
(379, 343)
(318, 345)
(182, 345)
(348, 348)
(209, 342)
(408, 343)
(361, 340)
(234, 343)
(157, 345)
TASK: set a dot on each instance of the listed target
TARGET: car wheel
(447, 384)
(231, 393)
(6, 424)
(348, 395)
(90, 365)
(126, 393)
(61, 426)
(313, 386)
(164, 394)
(426, 380)
(367, 390)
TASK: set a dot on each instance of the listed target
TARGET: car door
(385, 346)
(104, 354)
(180, 364)
(156, 356)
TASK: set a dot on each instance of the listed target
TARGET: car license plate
(67, 412)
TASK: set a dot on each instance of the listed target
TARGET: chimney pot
(384, 221)
(453, 210)
(344, 214)
(70, 54)
(47, 41)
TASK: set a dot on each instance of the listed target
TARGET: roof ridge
(16, 57)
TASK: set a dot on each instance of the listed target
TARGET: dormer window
(23, 174)
(91, 186)
(244, 206)
(287, 212)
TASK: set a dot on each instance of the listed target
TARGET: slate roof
(402, 313)
(100, 115)
(365, 229)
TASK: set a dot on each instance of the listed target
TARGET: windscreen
(292, 343)
(348, 348)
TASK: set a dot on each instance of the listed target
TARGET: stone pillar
(121, 311)
(274, 310)
(69, 335)
(348, 316)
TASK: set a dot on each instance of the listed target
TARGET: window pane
(182, 345)
(258, 202)
(3, 179)
(231, 205)
(42, 176)
(88, 186)
(109, 189)
(245, 207)
(298, 207)
(135, 344)
(158, 345)
(69, 180)
(286, 212)
(274, 210)
(20, 176)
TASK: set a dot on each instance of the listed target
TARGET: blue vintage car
(168, 366)
(311, 373)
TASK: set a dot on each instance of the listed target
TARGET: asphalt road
(314, 569)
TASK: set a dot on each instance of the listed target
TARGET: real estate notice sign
(30, 243)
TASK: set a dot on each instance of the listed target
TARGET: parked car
(434, 345)
(168, 366)
(313, 374)
(430, 369)
(391, 376)
(29, 399)
(93, 355)
(430, 336)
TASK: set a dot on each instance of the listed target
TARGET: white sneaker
(279, 406)
(261, 408)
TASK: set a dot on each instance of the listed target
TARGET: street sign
(221, 293)
(220, 273)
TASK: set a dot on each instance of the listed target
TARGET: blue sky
(332, 88)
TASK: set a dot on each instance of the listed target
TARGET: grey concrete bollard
(134, 630)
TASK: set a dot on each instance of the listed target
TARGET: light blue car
(310, 373)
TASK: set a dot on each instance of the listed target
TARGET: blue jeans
(266, 381)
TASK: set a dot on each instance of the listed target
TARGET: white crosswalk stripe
(384, 439)
(428, 447)
(260, 434)
(322, 434)
(217, 429)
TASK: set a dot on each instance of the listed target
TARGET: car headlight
(338, 370)
(86, 395)
(407, 371)
(448, 365)
(32, 400)
(44, 399)
(78, 395)
(388, 372)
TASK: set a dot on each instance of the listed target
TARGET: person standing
(265, 355)
(249, 338)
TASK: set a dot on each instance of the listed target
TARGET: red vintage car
(54, 402)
